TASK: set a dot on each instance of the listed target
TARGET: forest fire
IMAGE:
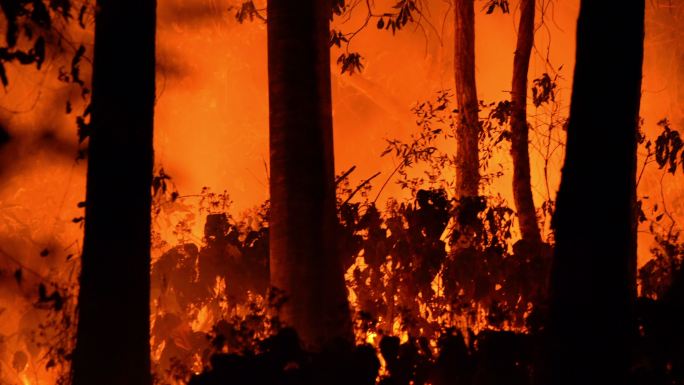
(196, 199)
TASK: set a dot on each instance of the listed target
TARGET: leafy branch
(397, 18)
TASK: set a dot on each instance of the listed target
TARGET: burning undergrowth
(410, 276)
(426, 311)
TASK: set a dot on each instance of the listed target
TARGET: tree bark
(113, 335)
(468, 127)
(522, 185)
(304, 262)
(593, 282)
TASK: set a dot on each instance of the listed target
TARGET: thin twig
(360, 186)
(401, 165)
(345, 175)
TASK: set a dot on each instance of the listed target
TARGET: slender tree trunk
(467, 153)
(594, 268)
(522, 186)
(303, 244)
(114, 318)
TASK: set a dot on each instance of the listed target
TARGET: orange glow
(211, 129)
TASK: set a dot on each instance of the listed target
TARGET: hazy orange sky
(212, 115)
(211, 126)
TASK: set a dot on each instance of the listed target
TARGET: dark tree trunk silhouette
(113, 335)
(467, 129)
(303, 245)
(593, 282)
(522, 186)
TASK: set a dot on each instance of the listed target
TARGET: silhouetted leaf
(75, 65)
(24, 57)
(3, 75)
(338, 7)
(18, 275)
(668, 146)
(12, 31)
(39, 51)
(247, 11)
(543, 90)
(40, 14)
(42, 292)
(492, 5)
(350, 62)
(337, 38)
(54, 300)
(81, 16)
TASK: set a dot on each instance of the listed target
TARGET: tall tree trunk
(304, 262)
(594, 269)
(467, 153)
(114, 304)
(522, 186)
